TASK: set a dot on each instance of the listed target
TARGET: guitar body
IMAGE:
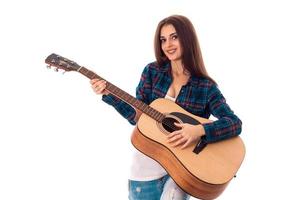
(204, 175)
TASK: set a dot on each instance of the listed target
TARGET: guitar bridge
(200, 146)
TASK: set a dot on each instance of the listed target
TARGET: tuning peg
(56, 69)
(48, 66)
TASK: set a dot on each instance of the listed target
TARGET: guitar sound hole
(168, 124)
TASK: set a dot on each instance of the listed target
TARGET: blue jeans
(160, 189)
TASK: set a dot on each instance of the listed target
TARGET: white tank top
(144, 168)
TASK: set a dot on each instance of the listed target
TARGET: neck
(177, 67)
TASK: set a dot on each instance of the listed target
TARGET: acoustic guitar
(202, 170)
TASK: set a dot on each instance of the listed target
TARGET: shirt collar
(193, 80)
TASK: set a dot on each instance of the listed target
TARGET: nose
(168, 43)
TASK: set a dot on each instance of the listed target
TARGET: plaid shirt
(199, 96)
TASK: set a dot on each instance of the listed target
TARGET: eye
(174, 37)
(162, 40)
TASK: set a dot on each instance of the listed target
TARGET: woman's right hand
(99, 86)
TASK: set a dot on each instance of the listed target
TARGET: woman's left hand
(186, 135)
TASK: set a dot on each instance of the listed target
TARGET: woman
(178, 74)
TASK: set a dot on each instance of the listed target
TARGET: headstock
(60, 62)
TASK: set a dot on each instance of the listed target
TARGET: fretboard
(124, 96)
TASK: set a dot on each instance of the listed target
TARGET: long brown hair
(191, 53)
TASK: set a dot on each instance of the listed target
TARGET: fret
(146, 110)
(126, 97)
(117, 92)
(156, 118)
(161, 117)
(156, 115)
(89, 74)
(139, 104)
(143, 107)
(151, 112)
(111, 88)
(135, 103)
(83, 70)
(94, 76)
(123, 95)
(130, 100)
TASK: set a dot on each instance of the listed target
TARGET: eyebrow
(172, 34)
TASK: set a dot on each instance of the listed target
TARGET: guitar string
(93, 75)
(112, 87)
(173, 127)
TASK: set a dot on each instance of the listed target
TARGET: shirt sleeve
(144, 88)
(143, 93)
(122, 107)
(227, 124)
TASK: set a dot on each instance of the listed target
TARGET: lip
(171, 51)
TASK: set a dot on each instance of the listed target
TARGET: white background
(58, 140)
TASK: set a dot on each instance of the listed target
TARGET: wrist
(201, 130)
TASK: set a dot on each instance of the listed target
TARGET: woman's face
(170, 42)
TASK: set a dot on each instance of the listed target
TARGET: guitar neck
(124, 96)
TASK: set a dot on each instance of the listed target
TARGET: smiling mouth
(171, 51)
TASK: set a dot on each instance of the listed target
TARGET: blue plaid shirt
(199, 96)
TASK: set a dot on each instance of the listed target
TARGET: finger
(97, 89)
(187, 143)
(174, 133)
(179, 142)
(100, 85)
(178, 124)
(97, 82)
(174, 138)
(94, 81)
(102, 82)
(100, 89)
